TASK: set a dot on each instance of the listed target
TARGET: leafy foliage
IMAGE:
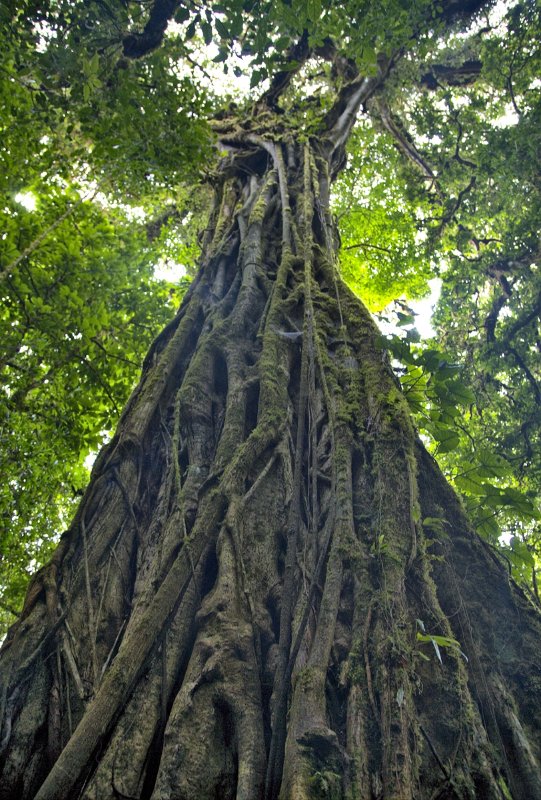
(384, 251)
(458, 144)
(77, 316)
(502, 505)
(80, 302)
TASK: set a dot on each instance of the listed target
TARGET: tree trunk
(236, 610)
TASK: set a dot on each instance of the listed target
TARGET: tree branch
(521, 323)
(136, 45)
(498, 270)
(339, 120)
(492, 316)
(367, 245)
(460, 133)
(463, 75)
(497, 305)
(531, 379)
(404, 142)
(298, 53)
(446, 219)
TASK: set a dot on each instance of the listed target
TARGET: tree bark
(235, 610)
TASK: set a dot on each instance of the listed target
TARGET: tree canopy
(111, 114)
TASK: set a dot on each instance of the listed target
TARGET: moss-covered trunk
(234, 612)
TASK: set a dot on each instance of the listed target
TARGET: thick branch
(492, 316)
(338, 122)
(530, 377)
(344, 67)
(297, 54)
(533, 314)
(462, 75)
(404, 141)
(499, 270)
(497, 305)
(139, 44)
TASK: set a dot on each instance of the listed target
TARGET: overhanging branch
(137, 45)
(404, 142)
(297, 54)
(462, 75)
(339, 120)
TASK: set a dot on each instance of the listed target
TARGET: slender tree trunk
(234, 611)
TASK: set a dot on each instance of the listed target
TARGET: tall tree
(269, 590)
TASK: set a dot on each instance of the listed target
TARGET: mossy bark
(234, 611)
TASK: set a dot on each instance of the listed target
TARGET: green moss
(325, 785)
(225, 215)
(355, 668)
(306, 678)
(261, 204)
(504, 788)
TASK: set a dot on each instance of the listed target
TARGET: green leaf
(405, 319)
(440, 641)
(290, 66)
(221, 56)
(369, 55)
(235, 26)
(206, 29)
(313, 10)
(520, 549)
(182, 14)
(520, 503)
(257, 76)
(190, 30)
(472, 483)
(413, 335)
(436, 524)
(447, 438)
(492, 465)
(431, 360)
(447, 370)
(221, 28)
(460, 392)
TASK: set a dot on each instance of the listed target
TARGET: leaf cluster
(92, 152)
